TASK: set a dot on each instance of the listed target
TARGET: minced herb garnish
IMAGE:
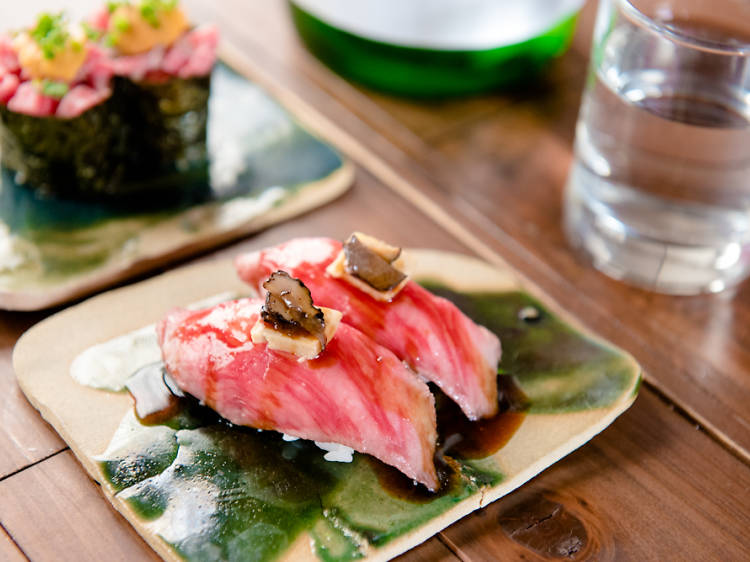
(150, 9)
(53, 89)
(51, 33)
(91, 33)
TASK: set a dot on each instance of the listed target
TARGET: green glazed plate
(196, 489)
(263, 168)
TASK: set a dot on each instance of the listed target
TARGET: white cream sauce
(108, 365)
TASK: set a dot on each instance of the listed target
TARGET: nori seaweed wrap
(167, 122)
(83, 156)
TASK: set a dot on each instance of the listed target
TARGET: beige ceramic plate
(290, 503)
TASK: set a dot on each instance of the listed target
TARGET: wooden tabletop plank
(55, 512)
(402, 223)
(24, 436)
(501, 177)
(9, 551)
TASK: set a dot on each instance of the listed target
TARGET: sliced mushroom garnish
(372, 267)
(289, 308)
(386, 251)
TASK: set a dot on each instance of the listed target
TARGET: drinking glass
(659, 191)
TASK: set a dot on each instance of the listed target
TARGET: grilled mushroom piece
(289, 308)
(372, 267)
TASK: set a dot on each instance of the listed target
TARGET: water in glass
(659, 193)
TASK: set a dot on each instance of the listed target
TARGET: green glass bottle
(436, 48)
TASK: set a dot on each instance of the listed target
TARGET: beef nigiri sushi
(59, 122)
(362, 279)
(286, 365)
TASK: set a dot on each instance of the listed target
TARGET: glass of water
(659, 191)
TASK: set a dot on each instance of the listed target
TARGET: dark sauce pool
(466, 439)
(458, 439)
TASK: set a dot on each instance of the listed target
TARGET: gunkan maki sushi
(59, 122)
(114, 109)
(162, 66)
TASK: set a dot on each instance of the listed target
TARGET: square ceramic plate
(263, 168)
(197, 489)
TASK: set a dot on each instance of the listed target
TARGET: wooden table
(484, 175)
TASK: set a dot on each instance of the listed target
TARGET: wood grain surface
(9, 551)
(57, 513)
(24, 437)
(487, 174)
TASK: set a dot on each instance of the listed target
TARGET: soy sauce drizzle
(156, 398)
(459, 438)
(397, 485)
(478, 439)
